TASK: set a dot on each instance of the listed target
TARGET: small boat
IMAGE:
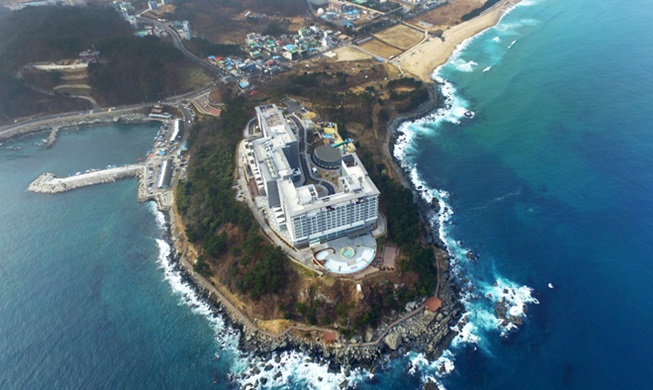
(469, 114)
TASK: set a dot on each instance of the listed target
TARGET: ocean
(549, 184)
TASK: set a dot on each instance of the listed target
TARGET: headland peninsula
(339, 93)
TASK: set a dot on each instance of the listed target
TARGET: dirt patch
(447, 15)
(380, 48)
(400, 36)
(215, 96)
(350, 54)
(274, 326)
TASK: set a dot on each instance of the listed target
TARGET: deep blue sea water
(550, 182)
(83, 300)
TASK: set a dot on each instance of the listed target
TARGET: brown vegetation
(224, 21)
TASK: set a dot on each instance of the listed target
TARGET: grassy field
(400, 36)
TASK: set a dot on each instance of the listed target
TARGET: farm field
(380, 48)
(400, 36)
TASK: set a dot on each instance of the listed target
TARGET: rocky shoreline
(415, 330)
(424, 331)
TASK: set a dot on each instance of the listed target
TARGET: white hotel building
(307, 214)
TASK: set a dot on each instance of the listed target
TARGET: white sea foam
(429, 370)
(481, 318)
(464, 66)
(516, 297)
(527, 3)
(293, 367)
(453, 111)
(502, 27)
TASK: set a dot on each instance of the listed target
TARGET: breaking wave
(281, 370)
(464, 66)
(481, 299)
(493, 303)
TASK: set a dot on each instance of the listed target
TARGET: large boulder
(393, 340)
(369, 335)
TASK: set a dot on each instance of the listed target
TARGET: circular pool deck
(347, 255)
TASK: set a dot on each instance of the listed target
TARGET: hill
(131, 69)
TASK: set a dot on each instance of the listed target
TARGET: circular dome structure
(327, 157)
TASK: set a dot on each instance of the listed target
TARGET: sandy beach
(425, 57)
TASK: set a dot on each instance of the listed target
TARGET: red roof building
(433, 304)
(329, 337)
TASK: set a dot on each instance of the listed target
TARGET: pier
(48, 183)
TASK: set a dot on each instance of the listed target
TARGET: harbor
(159, 171)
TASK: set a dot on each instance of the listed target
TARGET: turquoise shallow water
(550, 182)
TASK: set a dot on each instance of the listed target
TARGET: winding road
(179, 44)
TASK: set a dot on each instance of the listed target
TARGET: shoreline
(418, 333)
(436, 330)
(423, 59)
(429, 333)
(55, 126)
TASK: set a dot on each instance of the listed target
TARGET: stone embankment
(52, 124)
(48, 183)
(52, 138)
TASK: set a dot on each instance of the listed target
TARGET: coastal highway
(10, 130)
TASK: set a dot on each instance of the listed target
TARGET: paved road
(49, 120)
(179, 44)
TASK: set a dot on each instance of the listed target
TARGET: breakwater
(52, 138)
(48, 183)
(52, 124)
